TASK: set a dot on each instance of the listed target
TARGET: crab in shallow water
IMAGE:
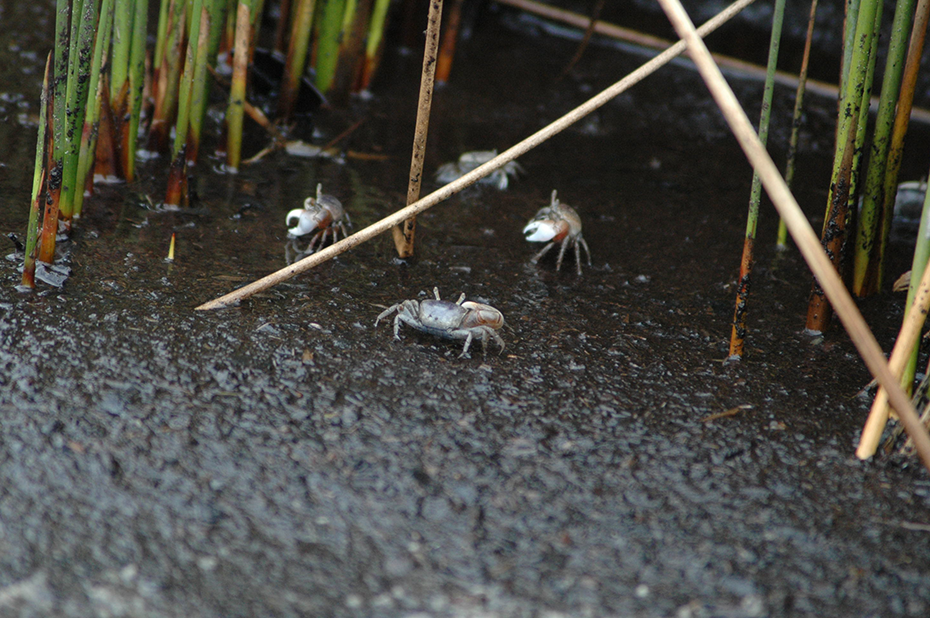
(557, 223)
(324, 213)
(442, 318)
(499, 178)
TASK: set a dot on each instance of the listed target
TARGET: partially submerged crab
(324, 213)
(470, 160)
(442, 318)
(557, 223)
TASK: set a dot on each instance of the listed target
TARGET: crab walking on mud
(557, 223)
(442, 318)
(324, 213)
(499, 178)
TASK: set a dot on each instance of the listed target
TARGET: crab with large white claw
(557, 223)
(323, 213)
(499, 178)
(442, 318)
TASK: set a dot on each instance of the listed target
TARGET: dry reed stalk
(405, 232)
(798, 226)
(476, 174)
(904, 345)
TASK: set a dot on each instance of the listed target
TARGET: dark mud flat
(287, 458)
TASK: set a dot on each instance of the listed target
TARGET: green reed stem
(166, 83)
(38, 179)
(857, 88)
(58, 93)
(866, 276)
(905, 102)
(257, 7)
(327, 47)
(918, 265)
(234, 113)
(211, 25)
(375, 42)
(738, 334)
(122, 49)
(227, 42)
(185, 90)
(864, 116)
(218, 21)
(88, 146)
(351, 49)
(902, 117)
(136, 85)
(79, 73)
(797, 118)
(176, 194)
(60, 76)
(161, 34)
(296, 56)
(849, 44)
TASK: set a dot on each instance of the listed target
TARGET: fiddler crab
(442, 318)
(499, 178)
(324, 213)
(557, 223)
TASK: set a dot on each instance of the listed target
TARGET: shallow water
(285, 457)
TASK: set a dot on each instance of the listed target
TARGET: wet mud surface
(287, 458)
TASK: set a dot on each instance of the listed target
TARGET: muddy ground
(287, 458)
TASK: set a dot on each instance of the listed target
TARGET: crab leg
(467, 343)
(558, 263)
(544, 251)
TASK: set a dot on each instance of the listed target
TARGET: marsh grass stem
(857, 89)
(296, 59)
(738, 332)
(327, 42)
(38, 182)
(797, 119)
(96, 89)
(237, 89)
(374, 43)
(902, 117)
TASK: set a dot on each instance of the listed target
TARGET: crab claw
(480, 314)
(542, 230)
(303, 221)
